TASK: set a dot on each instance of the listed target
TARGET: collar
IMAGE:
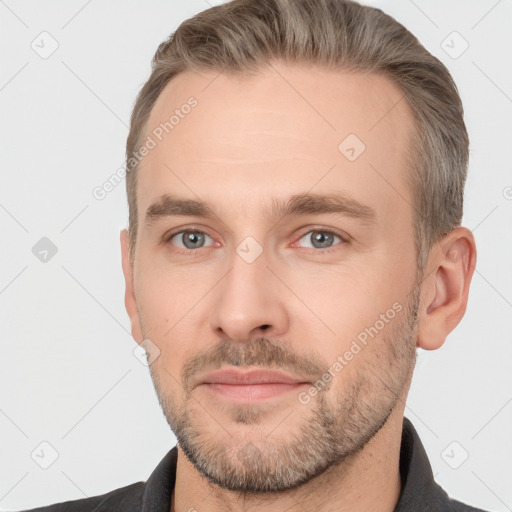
(418, 484)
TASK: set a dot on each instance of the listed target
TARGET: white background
(68, 375)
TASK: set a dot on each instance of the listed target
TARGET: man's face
(321, 296)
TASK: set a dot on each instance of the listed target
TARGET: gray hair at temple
(243, 36)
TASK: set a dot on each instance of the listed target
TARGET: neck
(369, 480)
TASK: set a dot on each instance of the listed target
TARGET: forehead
(285, 130)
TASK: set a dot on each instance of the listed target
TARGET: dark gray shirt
(420, 493)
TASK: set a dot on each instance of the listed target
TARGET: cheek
(347, 305)
(345, 292)
(166, 294)
(169, 305)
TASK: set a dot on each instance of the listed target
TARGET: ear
(129, 296)
(445, 288)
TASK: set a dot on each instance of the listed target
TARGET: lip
(252, 377)
(251, 386)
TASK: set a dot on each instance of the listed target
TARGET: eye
(322, 239)
(189, 240)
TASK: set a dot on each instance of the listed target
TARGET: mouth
(250, 386)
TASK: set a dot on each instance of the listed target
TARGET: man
(295, 177)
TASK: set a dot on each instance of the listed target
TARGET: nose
(249, 301)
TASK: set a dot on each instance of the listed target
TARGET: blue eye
(322, 240)
(189, 240)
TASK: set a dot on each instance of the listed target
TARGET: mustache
(271, 355)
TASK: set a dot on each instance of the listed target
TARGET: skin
(250, 139)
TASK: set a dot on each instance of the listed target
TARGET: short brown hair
(244, 35)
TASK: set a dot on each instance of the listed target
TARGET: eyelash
(195, 252)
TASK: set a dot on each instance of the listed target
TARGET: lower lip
(252, 392)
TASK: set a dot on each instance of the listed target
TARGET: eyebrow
(297, 205)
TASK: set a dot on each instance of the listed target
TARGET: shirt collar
(160, 484)
(418, 484)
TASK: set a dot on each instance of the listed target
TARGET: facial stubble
(331, 431)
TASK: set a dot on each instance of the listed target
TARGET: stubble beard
(331, 430)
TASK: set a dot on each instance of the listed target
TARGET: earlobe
(129, 297)
(445, 291)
